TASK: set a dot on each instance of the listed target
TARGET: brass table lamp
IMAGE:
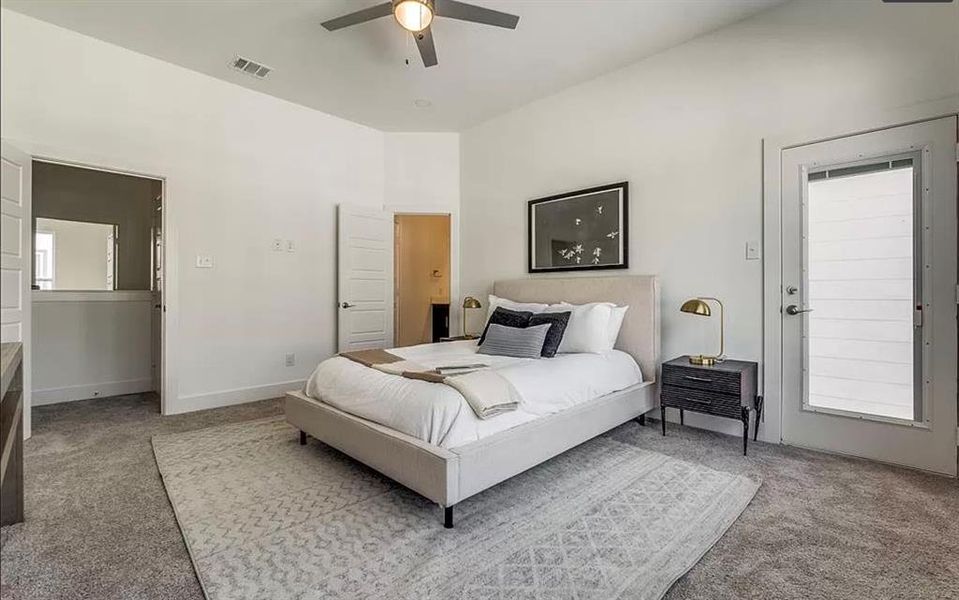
(698, 306)
(468, 303)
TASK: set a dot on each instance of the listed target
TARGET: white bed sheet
(438, 414)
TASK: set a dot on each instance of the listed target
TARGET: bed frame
(448, 476)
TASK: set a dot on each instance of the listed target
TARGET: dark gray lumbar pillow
(505, 316)
(557, 323)
(519, 342)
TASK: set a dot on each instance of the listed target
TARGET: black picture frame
(537, 249)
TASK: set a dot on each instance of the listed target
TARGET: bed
(447, 470)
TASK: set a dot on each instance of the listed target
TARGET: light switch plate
(204, 262)
(753, 251)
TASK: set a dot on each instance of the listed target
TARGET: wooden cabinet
(11, 434)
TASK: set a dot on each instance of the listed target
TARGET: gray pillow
(519, 342)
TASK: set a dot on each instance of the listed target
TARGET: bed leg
(302, 438)
(641, 419)
(448, 517)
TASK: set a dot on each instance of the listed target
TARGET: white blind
(860, 287)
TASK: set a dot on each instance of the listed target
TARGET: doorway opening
(97, 285)
(421, 284)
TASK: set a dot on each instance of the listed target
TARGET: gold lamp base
(702, 359)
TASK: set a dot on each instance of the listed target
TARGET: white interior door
(869, 295)
(17, 259)
(364, 278)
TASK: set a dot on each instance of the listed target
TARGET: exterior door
(869, 295)
(364, 278)
(16, 258)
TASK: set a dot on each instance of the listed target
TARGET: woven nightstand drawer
(702, 401)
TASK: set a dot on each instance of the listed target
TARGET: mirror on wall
(74, 255)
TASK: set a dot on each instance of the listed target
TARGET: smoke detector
(245, 65)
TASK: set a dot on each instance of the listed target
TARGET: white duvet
(438, 414)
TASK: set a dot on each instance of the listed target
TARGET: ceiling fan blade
(424, 41)
(474, 14)
(360, 16)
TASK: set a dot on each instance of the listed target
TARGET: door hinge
(917, 316)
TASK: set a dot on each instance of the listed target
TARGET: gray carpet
(821, 527)
(267, 518)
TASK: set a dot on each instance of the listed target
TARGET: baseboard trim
(105, 389)
(194, 402)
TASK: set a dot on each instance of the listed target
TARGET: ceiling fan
(415, 16)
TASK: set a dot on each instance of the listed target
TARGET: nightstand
(459, 338)
(726, 389)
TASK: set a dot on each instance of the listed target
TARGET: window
(862, 342)
(43, 252)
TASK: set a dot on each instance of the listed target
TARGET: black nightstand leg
(663, 410)
(759, 415)
(745, 429)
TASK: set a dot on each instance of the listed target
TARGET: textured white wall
(685, 128)
(242, 168)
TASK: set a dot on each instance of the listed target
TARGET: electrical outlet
(277, 245)
(753, 251)
(290, 246)
(291, 360)
(204, 262)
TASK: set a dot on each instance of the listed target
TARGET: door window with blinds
(862, 338)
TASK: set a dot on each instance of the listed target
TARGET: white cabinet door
(869, 295)
(364, 278)
(16, 250)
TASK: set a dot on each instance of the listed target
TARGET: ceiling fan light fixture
(413, 15)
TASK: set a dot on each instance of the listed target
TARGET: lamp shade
(413, 15)
(471, 302)
(696, 307)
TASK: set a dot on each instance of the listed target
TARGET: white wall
(93, 344)
(241, 168)
(685, 128)
(422, 174)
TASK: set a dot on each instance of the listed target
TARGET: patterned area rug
(264, 517)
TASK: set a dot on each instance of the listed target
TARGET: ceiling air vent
(250, 68)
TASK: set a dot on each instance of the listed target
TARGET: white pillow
(618, 313)
(587, 329)
(615, 323)
(495, 301)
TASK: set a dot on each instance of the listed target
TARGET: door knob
(347, 305)
(792, 309)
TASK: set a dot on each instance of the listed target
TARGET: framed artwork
(579, 231)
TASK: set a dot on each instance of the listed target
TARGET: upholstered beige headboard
(640, 333)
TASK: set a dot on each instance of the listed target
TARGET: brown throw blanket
(371, 358)
(486, 391)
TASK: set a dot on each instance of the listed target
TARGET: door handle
(792, 309)
(347, 305)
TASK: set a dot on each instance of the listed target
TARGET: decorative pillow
(557, 322)
(507, 317)
(617, 314)
(588, 329)
(496, 301)
(525, 342)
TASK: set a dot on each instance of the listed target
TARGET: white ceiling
(359, 73)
